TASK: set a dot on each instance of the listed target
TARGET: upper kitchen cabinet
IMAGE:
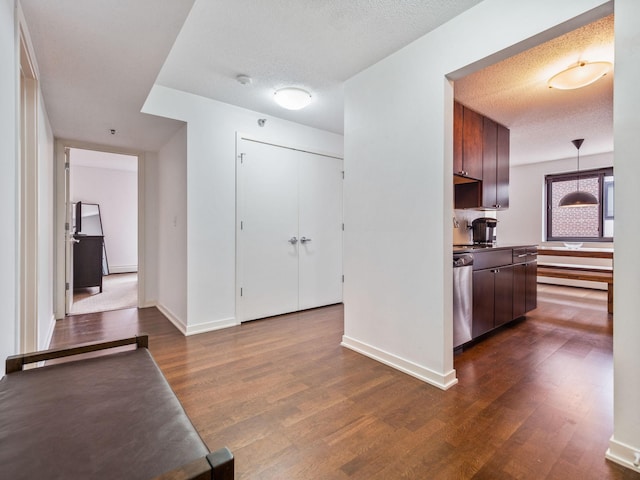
(481, 161)
(495, 165)
(467, 143)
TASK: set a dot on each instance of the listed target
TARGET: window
(590, 223)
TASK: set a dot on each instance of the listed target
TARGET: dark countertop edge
(480, 248)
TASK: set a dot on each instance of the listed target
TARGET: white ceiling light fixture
(579, 75)
(292, 98)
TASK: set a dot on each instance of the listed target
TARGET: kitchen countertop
(476, 248)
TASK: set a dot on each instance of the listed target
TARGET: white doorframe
(28, 201)
(60, 215)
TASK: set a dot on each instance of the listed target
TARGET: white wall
(398, 187)
(172, 228)
(8, 182)
(524, 221)
(116, 191)
(625, 441)
(211, 161)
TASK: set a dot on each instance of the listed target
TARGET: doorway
(101, 204)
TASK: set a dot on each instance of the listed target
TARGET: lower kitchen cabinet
(504, 286)
(492, 298)
(483, 302)
(525, 286)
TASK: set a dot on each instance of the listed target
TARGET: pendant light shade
(578, 198)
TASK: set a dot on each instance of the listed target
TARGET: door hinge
(343, 174)
(66, 286)
(242, 158)
(66, 165)
(241, 225)
(66, 226)
(240, 291)
(343, 227)
(342, 278)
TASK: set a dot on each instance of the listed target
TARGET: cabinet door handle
(304, 239)
(293, 240)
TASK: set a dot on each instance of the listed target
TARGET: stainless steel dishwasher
(462, 298)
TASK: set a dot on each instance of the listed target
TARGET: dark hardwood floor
(533, 401)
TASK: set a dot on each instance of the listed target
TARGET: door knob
(293, 240)
(304, 239)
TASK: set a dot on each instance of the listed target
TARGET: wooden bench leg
(610, 297)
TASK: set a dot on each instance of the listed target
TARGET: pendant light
(578, 198)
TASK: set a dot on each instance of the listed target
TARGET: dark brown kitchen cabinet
(525, 287)
(467, 142)
(492, 298)
(502, 167)
(483, 302)
(495, 165)
(503, 295)
(479, 143)
(531, 283)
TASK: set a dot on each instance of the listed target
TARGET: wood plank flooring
(534, 401)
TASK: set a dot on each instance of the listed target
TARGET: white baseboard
(436, 379)
(211, 326)
(623, 454)
(123, 268)
(47, 340)
(188, 330)
(148, 304)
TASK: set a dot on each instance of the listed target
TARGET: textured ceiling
(98, 61)
(543, 121)
(312, 44)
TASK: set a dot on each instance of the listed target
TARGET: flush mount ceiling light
(578, 198)
(292, 98)
(579, 75)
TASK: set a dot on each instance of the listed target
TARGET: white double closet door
(289, 230)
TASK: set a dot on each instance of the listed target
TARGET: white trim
(124, 269)
(315, 151)
(436, 379)
(211, 326)
(28, 193)
(623, 454)
(173, 318)
(47, 340)
(188, 330)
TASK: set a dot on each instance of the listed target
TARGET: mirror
(86, 221)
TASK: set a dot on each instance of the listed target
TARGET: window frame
(599, 173)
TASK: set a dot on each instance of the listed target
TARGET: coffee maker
(483, 230)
